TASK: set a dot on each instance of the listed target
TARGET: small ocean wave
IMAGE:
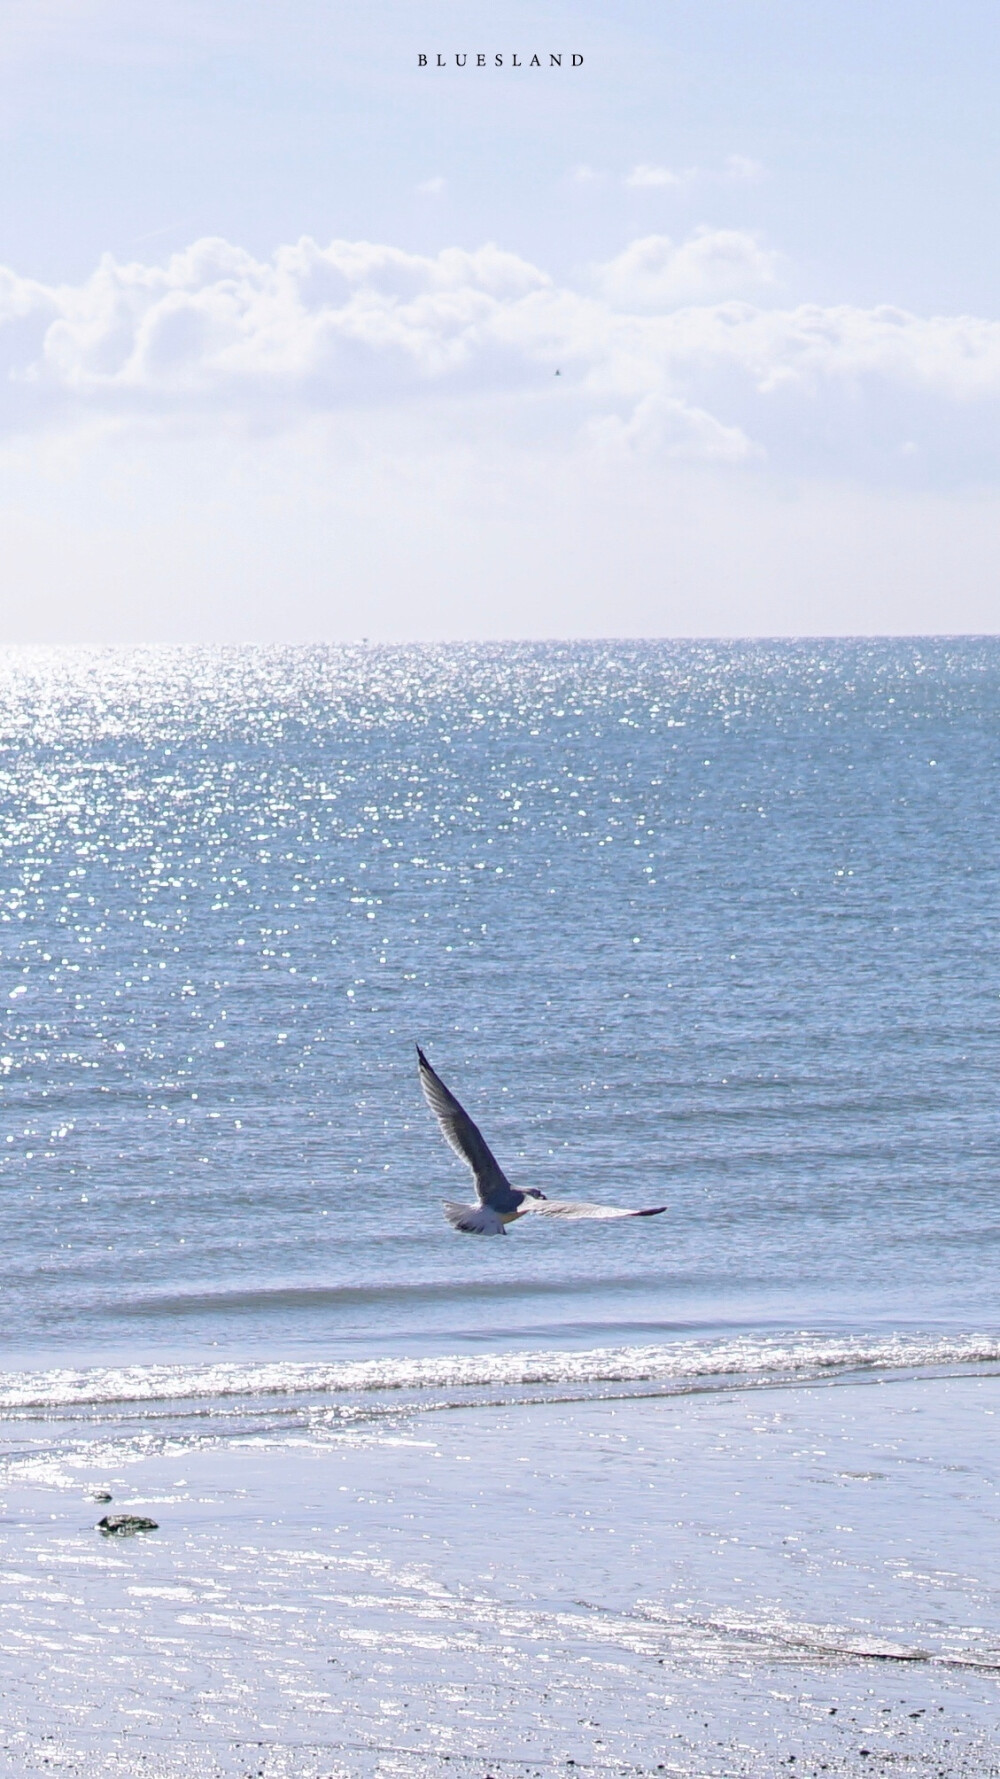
(744, 1361)
(323, 1297)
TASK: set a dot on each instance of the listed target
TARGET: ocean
(710, 925)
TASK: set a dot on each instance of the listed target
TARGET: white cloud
(645, 174)
(653, 273)
(664, 425)
(664, 353)
(432, 188)
(214, 322)
(738, 169)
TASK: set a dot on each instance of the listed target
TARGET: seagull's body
(499, 1203)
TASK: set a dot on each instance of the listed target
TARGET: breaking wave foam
(682, 1364)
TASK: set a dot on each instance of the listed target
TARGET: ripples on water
(710, 925)
(715, 924)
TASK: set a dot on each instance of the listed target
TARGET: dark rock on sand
(122, 1525)
(101, 1495)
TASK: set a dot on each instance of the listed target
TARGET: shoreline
(664, 1584)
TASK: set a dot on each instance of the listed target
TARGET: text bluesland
(481, 60)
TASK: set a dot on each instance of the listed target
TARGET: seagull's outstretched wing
(466, 1139)
(567, 1210)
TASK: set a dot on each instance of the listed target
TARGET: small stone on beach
(122, 1525)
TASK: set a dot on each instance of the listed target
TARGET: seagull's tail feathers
(474, 1219)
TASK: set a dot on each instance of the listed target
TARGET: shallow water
(707, 925)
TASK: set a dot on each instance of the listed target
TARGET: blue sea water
(709, 925)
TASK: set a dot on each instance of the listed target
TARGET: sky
(301, 340)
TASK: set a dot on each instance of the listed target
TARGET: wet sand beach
(794, 1578)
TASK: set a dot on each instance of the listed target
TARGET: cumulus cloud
(654, 273)
(664, 425)
(662, 352)
(215, 320)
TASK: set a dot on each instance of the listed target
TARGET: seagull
(500, 1203)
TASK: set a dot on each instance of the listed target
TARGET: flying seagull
(499, 1202)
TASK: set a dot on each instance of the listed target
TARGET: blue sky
(281, 315)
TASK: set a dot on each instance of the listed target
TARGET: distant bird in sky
(499, 1203)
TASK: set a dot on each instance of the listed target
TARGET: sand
(718, 1584)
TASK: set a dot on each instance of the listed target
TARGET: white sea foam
(746, 1359)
